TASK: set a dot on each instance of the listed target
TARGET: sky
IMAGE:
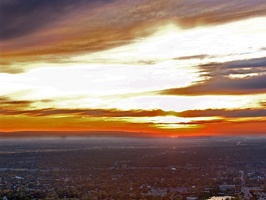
(158, 68)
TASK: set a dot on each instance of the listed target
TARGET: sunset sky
(145, 67)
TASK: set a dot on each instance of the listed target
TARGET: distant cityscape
(132, 168)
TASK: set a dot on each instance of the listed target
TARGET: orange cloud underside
(27, 123)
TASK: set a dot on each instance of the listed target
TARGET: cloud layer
(252, 79)
(63, 26)
(173, 67)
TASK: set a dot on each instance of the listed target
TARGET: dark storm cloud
(223, 86)
(219, 81)
(257, 65)
(19, 18)
(202, 56)
(259, 112)
(85, 112)
(259, 62)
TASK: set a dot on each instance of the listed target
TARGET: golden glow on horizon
(172, 122)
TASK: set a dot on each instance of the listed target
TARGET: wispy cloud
(202, 56)
(6, 68)
(238, 113)
(224, 86)
(63, 26)
(13, 104)
(16, 107)
(232, 78)
(26, 17)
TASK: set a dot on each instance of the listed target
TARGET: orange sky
(156, 68)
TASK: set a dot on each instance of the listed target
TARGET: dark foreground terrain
(131, 168)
